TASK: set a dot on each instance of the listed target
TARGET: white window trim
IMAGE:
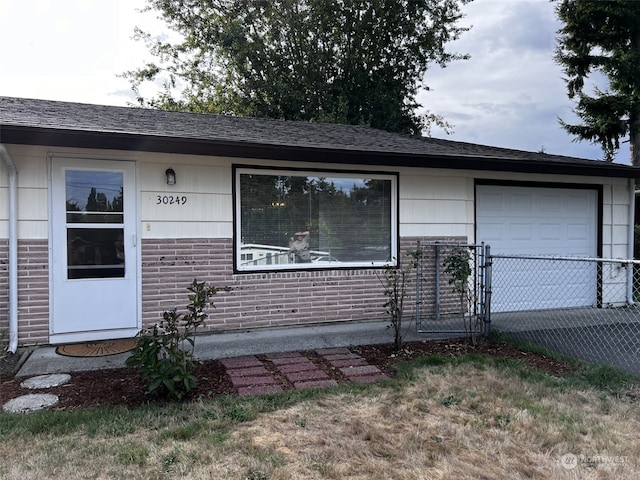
(392, 177)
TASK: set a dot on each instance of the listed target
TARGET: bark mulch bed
(124, 387)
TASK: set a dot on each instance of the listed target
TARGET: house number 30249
(171, 200)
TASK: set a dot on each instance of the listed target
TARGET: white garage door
(539, 221)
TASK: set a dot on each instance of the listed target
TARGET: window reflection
(94, 198)
(88, 193)
(95, 252)
(315, 220)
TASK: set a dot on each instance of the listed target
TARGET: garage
(539, 221)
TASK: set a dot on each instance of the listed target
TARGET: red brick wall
(257, 299)
(33, 291)
(245, 300)
(4, 291)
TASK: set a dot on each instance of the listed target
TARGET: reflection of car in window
(324, 258)
(81, 252)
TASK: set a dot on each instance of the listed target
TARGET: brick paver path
(352, 366)
(256, 375)
(250, 377)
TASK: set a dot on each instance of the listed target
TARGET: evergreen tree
(92, 201)
(603, 37)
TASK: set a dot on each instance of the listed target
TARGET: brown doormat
(97, 349)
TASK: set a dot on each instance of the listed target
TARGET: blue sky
(510, 93)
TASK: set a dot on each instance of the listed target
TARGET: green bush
(394, 281)
(164, 354)
(458, 266)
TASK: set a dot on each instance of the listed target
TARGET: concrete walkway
(45, 360)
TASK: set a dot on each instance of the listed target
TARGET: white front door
(94, 257)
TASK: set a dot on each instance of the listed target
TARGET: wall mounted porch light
(171, 176)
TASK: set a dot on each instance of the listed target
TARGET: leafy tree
(337, 61)
(603, 37)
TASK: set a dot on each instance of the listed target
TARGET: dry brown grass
(449, 422)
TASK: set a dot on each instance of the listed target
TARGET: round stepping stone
(46, 381)
(30, 403)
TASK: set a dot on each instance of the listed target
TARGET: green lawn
(466, 418)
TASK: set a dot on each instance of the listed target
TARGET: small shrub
(458, 266)
(394, 281)
(164, 355)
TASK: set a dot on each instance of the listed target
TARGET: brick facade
(4, 290)
(255, 299)
(258, 299)
(33, 291)
(247, 300)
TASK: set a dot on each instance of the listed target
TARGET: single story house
(107, 214)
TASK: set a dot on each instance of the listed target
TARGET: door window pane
(95, 253)
(94, 197)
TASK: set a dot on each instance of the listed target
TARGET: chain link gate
(453, 289)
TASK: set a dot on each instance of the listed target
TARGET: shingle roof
(56, 123)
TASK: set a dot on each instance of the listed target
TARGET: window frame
(239, 170)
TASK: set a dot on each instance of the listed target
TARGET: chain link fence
(585, 308)
(450, 289)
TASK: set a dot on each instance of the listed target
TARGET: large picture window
(293, 220)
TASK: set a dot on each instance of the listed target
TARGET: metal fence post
(437, 282)
(419, 288)
(630, 299)
(487, 290)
